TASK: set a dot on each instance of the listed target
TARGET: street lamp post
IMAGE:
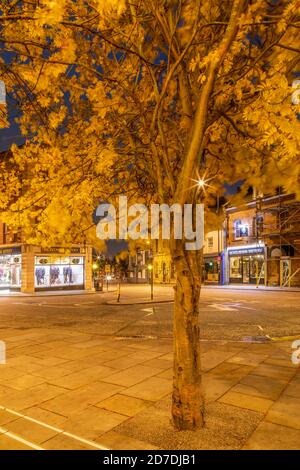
(150, 269)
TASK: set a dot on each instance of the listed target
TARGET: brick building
(263, 242)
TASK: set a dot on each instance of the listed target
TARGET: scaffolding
(272, 223)
(278, 226)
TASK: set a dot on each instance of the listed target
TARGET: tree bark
(187, 400)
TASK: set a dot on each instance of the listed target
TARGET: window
(240, 230)
(59, 271)
(235, 267)
(10, 270)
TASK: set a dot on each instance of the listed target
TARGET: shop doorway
(246, 270)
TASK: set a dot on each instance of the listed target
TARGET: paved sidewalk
(73, 390)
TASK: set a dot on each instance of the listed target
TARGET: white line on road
(17, 438)
(150, 310)
(45, 425)
(221, 307)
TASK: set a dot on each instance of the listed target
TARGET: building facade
(138, 263)
(263, 242)
(163, 267)
(28, 268)
(213, 257)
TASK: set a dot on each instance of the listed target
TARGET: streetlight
(201, 183)
(150, 269)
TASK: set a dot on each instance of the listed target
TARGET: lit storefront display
(246, 266)
(28, 268)
(59, 272)
(10, 268)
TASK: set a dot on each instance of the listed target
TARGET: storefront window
(246, 269)
(235, 267)
(59, 271)
(10, 271)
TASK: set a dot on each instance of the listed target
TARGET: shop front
(10, 268)
(30, 268)
(211, 269)
(59, 272)
(246, 265)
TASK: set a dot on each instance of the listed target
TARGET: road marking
(45, 425)
(150, 310)
(223, 308)
(15, 437)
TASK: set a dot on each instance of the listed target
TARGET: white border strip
(45, 425)
(15, 437)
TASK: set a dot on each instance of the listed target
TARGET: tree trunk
(187, 404)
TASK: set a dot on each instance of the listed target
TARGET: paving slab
(7, 443)
(249, 402)
(132, 375)
(31, 396)
(260, 386)
(116, 441)
(6, 417)
(126, 405)
(84, 377)
(247, 358)
(274, 371)
(269, 436)
(45, 416)
(30, 431)
(76, 400)
(286, 411)
(92, 422)
(63, 442)
(24, 381)
(152, 389)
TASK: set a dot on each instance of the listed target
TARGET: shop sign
(60, 250)
(246, 251)
(11, 251)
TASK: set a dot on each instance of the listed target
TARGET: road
(224, 314)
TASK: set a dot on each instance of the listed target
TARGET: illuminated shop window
(51, 271)
(10, 270)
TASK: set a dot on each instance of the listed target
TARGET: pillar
(27, 276)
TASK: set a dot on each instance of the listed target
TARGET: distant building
(163, 267)
(138, 263)
(212, 257)
(263, 242)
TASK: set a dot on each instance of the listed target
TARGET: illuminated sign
(246, 251)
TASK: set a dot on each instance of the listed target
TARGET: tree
(143, 98)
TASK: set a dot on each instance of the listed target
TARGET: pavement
(81, 374)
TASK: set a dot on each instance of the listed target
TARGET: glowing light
(95, 266)
(201, 183)
(150, 267)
